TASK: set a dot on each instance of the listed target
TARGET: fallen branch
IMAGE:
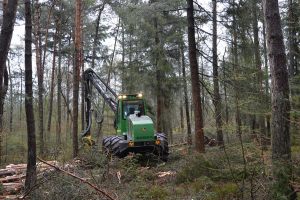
(81, 179)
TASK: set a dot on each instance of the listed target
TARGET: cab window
(129, 107)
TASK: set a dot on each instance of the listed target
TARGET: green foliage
(214, 166)
(196, 168)
(155, 192)
(282, 172)
(226, 191)
(202, 183)
(129, 166)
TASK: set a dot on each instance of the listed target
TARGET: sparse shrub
(129, 166)
(152, 193)
(199, 166)
(226, 191)
(202, 183)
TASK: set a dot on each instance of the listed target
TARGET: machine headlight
(140, 95)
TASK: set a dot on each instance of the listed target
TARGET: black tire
(115, 146)
(106, 144)
(112, 144)
(163, 148)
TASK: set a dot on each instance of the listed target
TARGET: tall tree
(31, 156)
(52, 85)
(280, 124)
(217, 97)
(292, 38)
(257, 59)
(186, 100)
(199, 134)
(40, 73)
(7, 28)
(76, 75)
(59, 81)
(159, 79)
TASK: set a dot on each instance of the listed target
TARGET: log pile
(12, 178)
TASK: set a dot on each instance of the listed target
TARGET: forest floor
(220, 173)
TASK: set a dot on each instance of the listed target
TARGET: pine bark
(217, 97)
(236, 71)
(292, 38)
(40, 74)
(11, 97)
(159, 77)
(257, 58)
(52, 85)
(267, 90)
(59, 88)
(199, 134)
(31, 157)
(186, 100)
(76, 75)
(280, 124)
(280, 88)
(9, 16)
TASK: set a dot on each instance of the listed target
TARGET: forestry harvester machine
(134, 129)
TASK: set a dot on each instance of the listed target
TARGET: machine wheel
(163, 150)
(112, 144)
(106, 147)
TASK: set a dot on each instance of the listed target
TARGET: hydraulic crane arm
(109, 96)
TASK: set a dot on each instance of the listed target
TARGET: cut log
(12, 188)
(14, 178)
(7, 172)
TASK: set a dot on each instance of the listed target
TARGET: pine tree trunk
(268, 131)
(76, 75)
(82, 86)
(31, 158)
(199, 134)
(59, 89)
(292, 35)
(123, 59)
(225, 98)
(9, 17)
(21, 95)
(217, 97)
(68, 93)
(281, 145)
(11, 98)
(159, 95)
(236, 71)
(44, 60)
(40, 74)
(181, 115)
(186, 101)
(261, 118)
(52, 81)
